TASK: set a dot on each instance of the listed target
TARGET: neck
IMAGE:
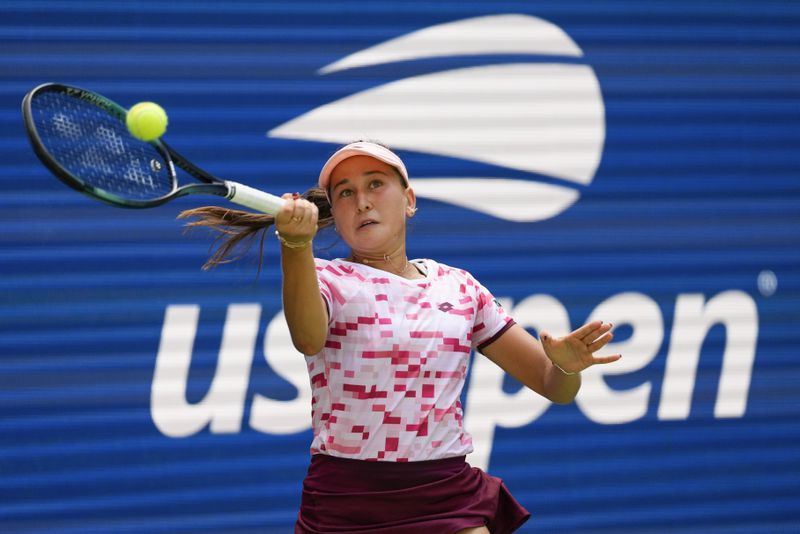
(395, 262)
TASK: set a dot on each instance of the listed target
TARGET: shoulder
(443, 271)
(336, 266)
(339, 271)
(328, 269)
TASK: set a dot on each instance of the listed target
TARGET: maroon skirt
(443, 496)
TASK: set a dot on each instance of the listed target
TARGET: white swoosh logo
(546, 119)
(512, 200)
(493, 34)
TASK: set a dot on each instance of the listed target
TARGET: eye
(344, 193)
(374, 184)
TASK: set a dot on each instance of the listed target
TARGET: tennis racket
(81, 137)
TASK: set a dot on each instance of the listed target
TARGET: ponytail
(236, 227)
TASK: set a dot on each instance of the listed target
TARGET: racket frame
(211, 185)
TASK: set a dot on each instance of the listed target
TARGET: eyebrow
(368, 173)
(340, 183)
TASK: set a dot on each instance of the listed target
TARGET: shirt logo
(445, 307)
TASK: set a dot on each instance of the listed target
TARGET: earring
(412, 210)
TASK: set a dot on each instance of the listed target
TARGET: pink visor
(361, 148)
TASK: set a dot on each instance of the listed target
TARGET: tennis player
(387, 341)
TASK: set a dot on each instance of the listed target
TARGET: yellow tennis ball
(146, 121)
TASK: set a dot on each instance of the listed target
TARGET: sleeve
(327, 287)
(491, 320)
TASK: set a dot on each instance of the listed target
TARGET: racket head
(81, 137)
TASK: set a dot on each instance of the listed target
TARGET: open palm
(575, 352)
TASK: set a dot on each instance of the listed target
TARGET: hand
(575, 352)
(297, 221)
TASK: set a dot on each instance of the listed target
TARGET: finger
(586, 329)
(298, 211)
(597, 333)
(314, 213)
(303, 213)
(600, 342)
(287, 209)
(307, 211)
(544, 337)
(606, 359)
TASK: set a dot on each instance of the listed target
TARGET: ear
(411, 202)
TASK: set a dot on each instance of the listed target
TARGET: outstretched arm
(552, 367)
(305, 310)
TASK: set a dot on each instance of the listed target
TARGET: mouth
(368, 222)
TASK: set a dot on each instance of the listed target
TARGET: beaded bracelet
(292, 244)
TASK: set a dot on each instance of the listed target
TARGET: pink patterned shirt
(386, 385)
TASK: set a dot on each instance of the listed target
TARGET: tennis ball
(146, 121)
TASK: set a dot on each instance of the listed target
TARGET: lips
(368, 222)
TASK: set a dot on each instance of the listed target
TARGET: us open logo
(547, 119)
(542, 119)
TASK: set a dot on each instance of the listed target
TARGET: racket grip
(253, 198)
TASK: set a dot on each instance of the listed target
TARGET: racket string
(96, 147)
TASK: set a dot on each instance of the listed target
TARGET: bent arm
(522, 356)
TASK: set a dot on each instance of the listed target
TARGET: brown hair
(236, 227)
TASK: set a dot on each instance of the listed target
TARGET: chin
(371, 241)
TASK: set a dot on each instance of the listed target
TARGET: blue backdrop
(631, 161)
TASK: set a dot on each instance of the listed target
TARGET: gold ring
(297, 219)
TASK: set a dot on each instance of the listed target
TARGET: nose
(364, 204)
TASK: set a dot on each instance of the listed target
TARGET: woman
(387, 342)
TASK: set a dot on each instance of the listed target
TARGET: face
(370, 205)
